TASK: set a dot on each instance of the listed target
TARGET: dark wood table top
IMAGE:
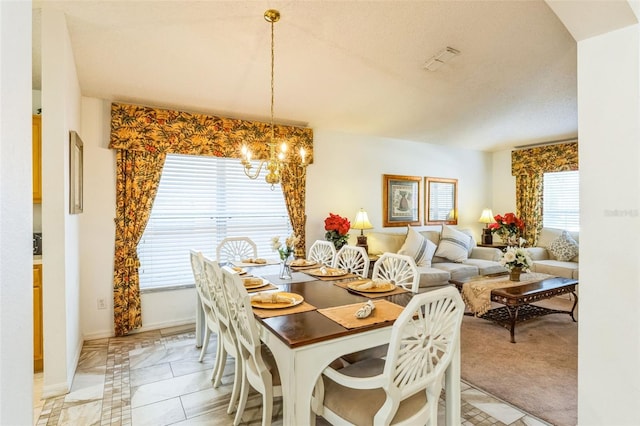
(311, 327)
(524, 290)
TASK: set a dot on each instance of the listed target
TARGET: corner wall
(16, 278)
(60, 256)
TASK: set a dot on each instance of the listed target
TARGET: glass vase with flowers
(285, 251)
(517, 260)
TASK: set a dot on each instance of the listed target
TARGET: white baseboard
(50, 391)
(147, 327)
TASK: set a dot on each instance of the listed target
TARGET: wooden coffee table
(517, 301)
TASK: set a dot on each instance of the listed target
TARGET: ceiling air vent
(441, 58)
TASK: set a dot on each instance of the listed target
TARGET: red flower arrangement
(507, 226)
(337, 228)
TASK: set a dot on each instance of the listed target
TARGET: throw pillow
(418, 247)
(454, 245)
(564, 248)
(472, 241)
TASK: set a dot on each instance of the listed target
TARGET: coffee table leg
(513, 317)
(575, 303)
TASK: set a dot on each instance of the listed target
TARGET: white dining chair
(353, 259)
(322, 252)
(202, 288)
(404, 388)
(259, 367)
(235, 249)
(226, 336)
(398, 269)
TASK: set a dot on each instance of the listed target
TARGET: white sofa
(480, 261)
(544, 259)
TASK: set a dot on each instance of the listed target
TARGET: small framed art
(75, 172)
(401, 200)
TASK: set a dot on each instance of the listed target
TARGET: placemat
(296, 277)
(268, 313)
(247, 265)
(345, 284)
(302, 268)
(345, 315)
(341, 277)
(265, 288)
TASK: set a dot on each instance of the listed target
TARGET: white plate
(255, 284)
(329, 272)
(297, 300)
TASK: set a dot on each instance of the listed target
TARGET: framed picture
(401, 200)
(441, 201)
(75, 173)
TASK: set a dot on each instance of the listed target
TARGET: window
(200, 201)
(561, 201)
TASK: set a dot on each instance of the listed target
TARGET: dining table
(304, 340)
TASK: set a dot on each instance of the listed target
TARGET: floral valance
(141, 128)
(545, 159)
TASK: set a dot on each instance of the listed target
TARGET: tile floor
(154, 378)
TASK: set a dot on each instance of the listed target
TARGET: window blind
(201, 201)
(561, 200)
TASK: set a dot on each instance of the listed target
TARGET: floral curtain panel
(143, 136)
(529, 167)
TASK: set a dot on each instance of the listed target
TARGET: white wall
(60, 259)
(609, 111)
(347, 175)
(16, 278)
(609, 129)
(504, 184)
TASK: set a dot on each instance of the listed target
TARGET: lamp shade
(486, 216)
(361, 221)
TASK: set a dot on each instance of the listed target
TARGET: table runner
(268, 313)
(345, 315)
(345, 284)
(477, 293)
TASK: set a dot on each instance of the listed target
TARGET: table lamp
(486, 217)
(361, 222)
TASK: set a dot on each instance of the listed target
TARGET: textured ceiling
(351, 66)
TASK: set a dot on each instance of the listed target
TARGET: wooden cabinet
(38, 350)
(37, 158)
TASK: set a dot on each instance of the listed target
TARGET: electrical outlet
(102, 304)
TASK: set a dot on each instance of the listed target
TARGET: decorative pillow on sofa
(418, 247)
(472, 240)
(454, 245)
(564, 248)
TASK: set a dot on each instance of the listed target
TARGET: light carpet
(539, 373)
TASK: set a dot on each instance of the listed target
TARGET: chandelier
(275, 163)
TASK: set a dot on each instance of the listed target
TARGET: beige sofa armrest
(538, 253)
(486, 253)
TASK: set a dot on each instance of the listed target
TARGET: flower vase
(285, 269)
(514, 273)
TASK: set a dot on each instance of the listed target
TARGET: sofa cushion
(418, 247)
(454, 245)
(457, 271)
(382, 242)
(432, 277)
(485, 267)
(564, 247)
(556, 268)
